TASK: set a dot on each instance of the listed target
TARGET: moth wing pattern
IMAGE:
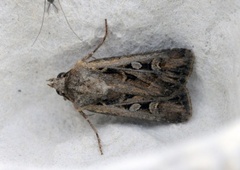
(160, 72)
(174, 109)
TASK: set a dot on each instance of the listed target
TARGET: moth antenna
(68, 22)
(95, 131)
(42, 22)
(99, 45)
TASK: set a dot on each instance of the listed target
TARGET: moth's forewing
(176, 60)
(175, 109)
(158, 73)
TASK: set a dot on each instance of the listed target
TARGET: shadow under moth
(149, 86)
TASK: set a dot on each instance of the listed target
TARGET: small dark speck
(19, 91)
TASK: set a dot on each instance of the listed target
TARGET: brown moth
(51, 3)
(149, 86)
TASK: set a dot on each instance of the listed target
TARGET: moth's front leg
(94, 129)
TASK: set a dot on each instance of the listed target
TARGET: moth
(46, 9)
(149, 86)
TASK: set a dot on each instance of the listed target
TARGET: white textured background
(39, 129)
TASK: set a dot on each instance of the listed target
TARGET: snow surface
(38, 129)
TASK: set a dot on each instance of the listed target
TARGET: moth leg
(51, 3)
(99, 45)
(39, 32)
(94, 129)
(68, 22)
(48, 7)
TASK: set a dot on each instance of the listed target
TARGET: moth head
(59, 84)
